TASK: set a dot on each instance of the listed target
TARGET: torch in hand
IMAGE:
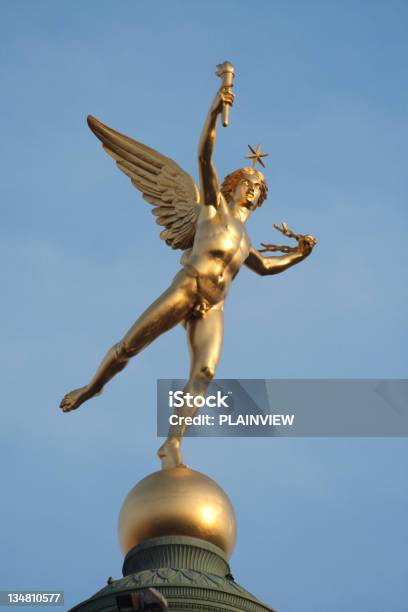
(226, 72)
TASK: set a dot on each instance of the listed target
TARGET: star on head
(256, 156)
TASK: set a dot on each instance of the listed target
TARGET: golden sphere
(177, 501)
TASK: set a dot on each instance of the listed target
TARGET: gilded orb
(177, 501)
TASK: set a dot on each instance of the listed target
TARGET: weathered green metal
(191, 573)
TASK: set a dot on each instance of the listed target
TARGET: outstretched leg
(205, 342)
(166, 312)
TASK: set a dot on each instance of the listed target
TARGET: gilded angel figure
(208, 224)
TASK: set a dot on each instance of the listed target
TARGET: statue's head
(246, 186)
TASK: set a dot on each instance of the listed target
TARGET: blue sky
(322, 85)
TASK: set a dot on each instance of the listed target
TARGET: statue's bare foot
(74, 399)
(170, 455)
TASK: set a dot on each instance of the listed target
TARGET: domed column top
(177, 502)
(177, 552)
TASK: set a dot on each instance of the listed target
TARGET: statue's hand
(223, 96)
(306, 243)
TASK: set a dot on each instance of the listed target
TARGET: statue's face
(247, 191)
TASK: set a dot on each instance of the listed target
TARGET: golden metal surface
(177, 501)
(209, 225)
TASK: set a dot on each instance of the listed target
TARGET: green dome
(192, 574)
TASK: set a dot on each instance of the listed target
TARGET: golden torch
(226, 72)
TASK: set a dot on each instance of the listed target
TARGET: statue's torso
(221, 246)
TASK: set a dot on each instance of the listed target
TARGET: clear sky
(322, 85)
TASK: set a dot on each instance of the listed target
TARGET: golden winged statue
(208, 224)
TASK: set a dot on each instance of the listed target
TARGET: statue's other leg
(205, 342)
(167, 311)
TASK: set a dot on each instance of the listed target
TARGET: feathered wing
(164, 184)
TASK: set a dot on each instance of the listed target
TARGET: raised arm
(207, 171)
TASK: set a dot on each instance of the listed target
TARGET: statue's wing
(164, 184)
